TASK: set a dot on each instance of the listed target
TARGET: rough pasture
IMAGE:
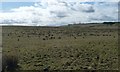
(75, 47)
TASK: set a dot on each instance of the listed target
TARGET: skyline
(57, 12)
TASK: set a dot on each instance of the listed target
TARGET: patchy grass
(90, 47)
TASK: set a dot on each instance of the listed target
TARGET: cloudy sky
(57, 12)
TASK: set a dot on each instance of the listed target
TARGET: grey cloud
(89, 10)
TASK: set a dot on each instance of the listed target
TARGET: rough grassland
(63, 48)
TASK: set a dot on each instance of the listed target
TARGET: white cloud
(60, 12)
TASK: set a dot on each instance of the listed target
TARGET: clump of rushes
(10, 62)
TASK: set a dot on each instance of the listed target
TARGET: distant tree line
(111, 23)
(107, 23)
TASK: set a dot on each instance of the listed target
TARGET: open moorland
(72, 47)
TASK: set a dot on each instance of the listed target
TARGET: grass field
(73, 47)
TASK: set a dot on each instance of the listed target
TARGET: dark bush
(10, 62)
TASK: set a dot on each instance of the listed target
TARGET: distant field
(74, 47)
